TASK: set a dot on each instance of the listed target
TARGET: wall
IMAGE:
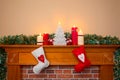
(38, 16)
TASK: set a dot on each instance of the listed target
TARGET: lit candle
(59, 24)
(80, 37)
(74, 35)
(40, 39)
(45, 38)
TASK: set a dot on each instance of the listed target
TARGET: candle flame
(40, 34)
(73, 25)
(80, 32)
(59, 23)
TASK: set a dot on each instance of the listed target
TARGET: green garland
(2, 64)
(89, 39)
(98, 39)
(117, 64)
(92, 39)
(18, 39)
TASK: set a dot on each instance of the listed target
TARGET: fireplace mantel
(100, 55)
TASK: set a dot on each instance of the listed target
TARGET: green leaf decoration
(51, 36)
(67, 35)
(18, 39)
(2, 64)
(117, 65)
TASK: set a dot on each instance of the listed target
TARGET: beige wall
(29, 17)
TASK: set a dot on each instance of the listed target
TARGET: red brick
(78, 76)
(49, 71)
(24, 75)
(93, 79)
(38, 79)
(52, 75)
(28, 79)
(30, 71)
(57, 79)
(86, 71)
(95, 71)
(47, 79)
(74, 72)
(43, 71)
(24, 71)
(96, 75)
(58, 71)
(38, 76)
(67, 71)
(83, 76)
(75, 79)
(65, 76)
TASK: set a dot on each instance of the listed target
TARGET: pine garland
(91, 39)
(88, 39)
(18, 39)
(98, 39)
(2, 64)
(117, 65)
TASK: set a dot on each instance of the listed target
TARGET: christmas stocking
(81, 56)
(42, 61)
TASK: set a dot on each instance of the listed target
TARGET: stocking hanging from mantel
(41, 58)
(81, 56)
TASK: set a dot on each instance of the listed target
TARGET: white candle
(39, 39)
(80, 38)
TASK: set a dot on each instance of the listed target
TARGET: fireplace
(20, 63)
(62, 72)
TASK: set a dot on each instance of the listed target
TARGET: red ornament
(69, 41)
(41, 58)
(50, 41)
(74, 34)
(45, 38)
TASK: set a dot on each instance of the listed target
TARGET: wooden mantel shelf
(101, 55)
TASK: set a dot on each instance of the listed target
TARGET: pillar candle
(45, 39)
(74, 35)
(39, 39)
(80, 38)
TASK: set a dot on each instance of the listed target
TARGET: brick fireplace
(60, 73)
(20, 62)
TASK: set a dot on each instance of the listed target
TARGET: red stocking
(79, 67)
(81, 56)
